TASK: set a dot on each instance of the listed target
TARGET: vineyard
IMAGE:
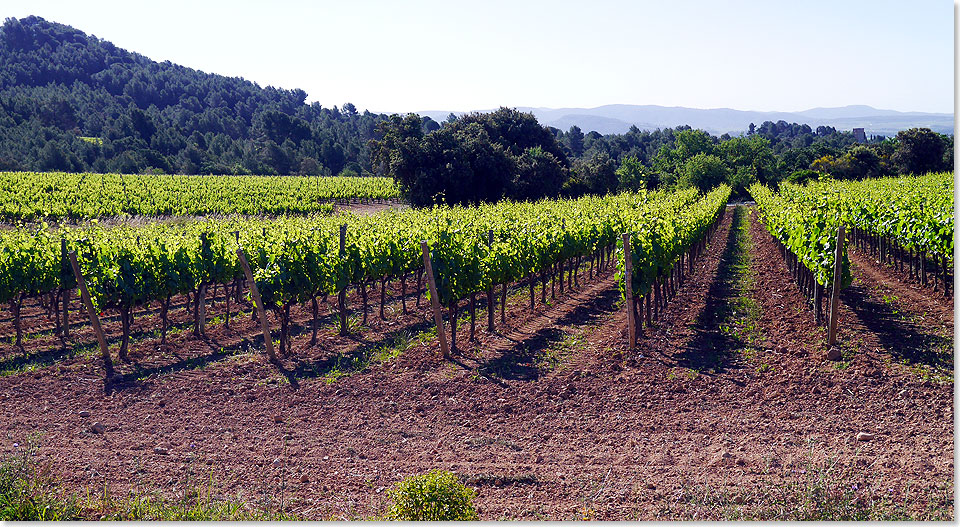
(633, 343)
(898, 220)
(906, 221)
(31, 196)
(298, 260)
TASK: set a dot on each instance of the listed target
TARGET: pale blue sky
(394, 56)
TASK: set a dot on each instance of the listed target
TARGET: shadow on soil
(903, 340)
(343, 363)
(39, 360)
(520, 361)
(137, 369)
(75, 347)
(357, 359)
(182, 364)
(712, 349)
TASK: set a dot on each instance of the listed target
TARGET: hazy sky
(401, 56)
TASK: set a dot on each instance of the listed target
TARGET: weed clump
(28, 494)
(434, 496)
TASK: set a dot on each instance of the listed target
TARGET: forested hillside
(70, 101)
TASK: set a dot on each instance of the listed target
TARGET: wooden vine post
(835, 294)
(628, 287)
(94, 319)
(66, 293)
(200, 312)
(490, 308)
(342, 294)
(258, 304)
(434, 299)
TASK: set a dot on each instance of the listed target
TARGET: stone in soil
(833, 353)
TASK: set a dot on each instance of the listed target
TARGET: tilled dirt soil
(549, 418)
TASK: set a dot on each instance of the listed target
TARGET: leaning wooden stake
(835, 294)
(342, 294)
(200, 313)
(628, 287)
(66, 294)
(434, 299)
(94, 319)
(490, 309)
(258, 304)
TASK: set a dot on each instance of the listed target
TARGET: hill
(70, 101)
(618, 118)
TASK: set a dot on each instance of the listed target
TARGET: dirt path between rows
(727, 394)
(899, 321)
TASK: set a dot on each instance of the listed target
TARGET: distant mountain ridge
(618, 118)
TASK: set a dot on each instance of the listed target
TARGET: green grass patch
(743, 312)
(554, 355)
(29, 493)
(16, 364)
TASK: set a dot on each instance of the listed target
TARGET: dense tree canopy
(768, 153)
(474, 158)
(633, 175)
(919, 150)
(69, 101)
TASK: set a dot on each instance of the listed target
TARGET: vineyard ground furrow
(669, 339)
(903, 324)
(242, 333)
(538, 344)
(792, 334)
(900, 284)
(882, 321)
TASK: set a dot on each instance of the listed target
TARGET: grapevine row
(296, 260)
(805, 222)
(903, 221)
(663, 247)
(31, 196)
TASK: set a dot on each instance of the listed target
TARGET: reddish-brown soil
(549, 418)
